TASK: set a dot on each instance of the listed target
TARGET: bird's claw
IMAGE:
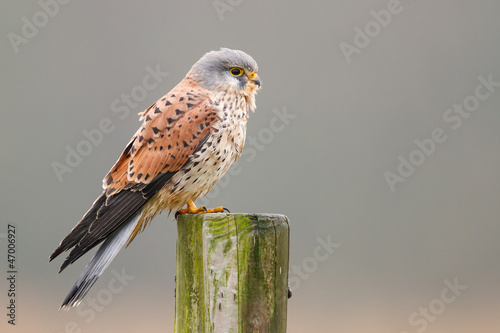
(215, 210)
(192, 209)
(225, 209)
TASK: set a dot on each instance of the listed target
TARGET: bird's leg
(192, 209)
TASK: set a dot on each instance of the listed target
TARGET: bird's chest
(228, 136)
(230, 132)
(222, 148)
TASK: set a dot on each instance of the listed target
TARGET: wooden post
(232, 273)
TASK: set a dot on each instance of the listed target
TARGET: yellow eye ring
(235, 71)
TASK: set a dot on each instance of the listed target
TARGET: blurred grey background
(338, 112)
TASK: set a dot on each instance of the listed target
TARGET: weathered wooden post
(232, 273)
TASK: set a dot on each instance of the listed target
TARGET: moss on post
(232, 273)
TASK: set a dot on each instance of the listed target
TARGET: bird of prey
(188, 139)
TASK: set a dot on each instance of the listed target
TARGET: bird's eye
(235, 71)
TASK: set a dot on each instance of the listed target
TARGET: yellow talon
(214, 210)
(192, 209)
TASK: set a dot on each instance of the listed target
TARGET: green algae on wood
(232, 273)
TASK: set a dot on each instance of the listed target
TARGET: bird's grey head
(226, 69)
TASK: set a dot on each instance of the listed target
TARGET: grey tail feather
(101, 260)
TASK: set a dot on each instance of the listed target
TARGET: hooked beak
(254, 78)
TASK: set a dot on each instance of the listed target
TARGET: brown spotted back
(173, 128)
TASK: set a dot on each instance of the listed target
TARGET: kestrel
(188, 140)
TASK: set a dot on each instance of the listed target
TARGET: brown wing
(173, 128)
